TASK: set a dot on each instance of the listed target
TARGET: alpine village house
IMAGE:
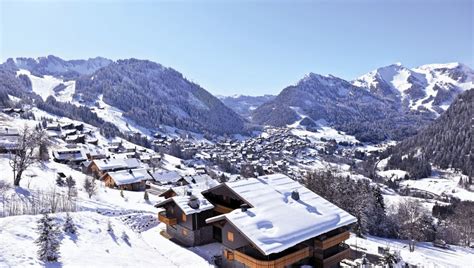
(263, 222)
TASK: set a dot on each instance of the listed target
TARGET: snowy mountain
(54, 66)
(155, 96)
(346, 107)
(137, 93)
(428, 88)
(244, 105)
(390, 102)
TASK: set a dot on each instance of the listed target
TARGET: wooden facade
(189, 230)
(332, 240)
(168, 220)
(281, 262)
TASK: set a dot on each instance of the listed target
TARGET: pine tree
(69, 226)
(125, 237)
(121, 193)
(145, 196)
(48, 241)
(71, 187)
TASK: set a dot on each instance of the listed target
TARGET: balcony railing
(332, 241)
(222, 209)
(162, 217)
(280, 262)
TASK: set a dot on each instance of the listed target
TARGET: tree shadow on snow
(53, 264)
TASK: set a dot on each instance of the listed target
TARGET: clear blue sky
(246, 47)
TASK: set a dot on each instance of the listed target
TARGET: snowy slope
(429, 87)
(44, 86)
(130, 214)
(425, 254)
(94, 245)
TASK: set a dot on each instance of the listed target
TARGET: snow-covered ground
(425, 254)
(93, 246)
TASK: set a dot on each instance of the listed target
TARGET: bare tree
(25, 156)
(410, 213)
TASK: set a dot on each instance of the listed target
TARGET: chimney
(295, 195)
(193, 202)
(189, 193)
(244, 207)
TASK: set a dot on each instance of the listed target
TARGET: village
(239, 194)
(198, 208)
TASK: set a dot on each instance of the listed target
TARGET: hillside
(55, 66)
(154, 95)
(448, 141)
(244, 105)
(346, 107)
(144, 94)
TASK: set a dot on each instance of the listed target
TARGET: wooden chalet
(185, 218)
(131, 180)
(99, 167)
(269, 221)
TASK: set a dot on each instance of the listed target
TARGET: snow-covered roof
(74, 154)
(129, 176)
(276, 221)
(166, 176)
(8, 131)
(182, 201)
(195, 189)
(108, 164)
(201, 179)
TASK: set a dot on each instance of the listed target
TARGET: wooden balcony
(332, 241)
(162, 217)
(329, 261)
(278, 263)
(222, 209)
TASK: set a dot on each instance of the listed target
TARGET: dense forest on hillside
(447, 142)
(153, 96)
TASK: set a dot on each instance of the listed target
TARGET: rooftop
(276, 221)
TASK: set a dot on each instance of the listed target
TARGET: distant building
(132, 179)
(99, 167)
(70, 156)
(9, 138)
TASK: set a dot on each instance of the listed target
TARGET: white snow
(93, 246)
(115, 116)
(428, 77)
(44, 86)
(425, 254)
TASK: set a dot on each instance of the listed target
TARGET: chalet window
(230, 236)
(183, 217)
